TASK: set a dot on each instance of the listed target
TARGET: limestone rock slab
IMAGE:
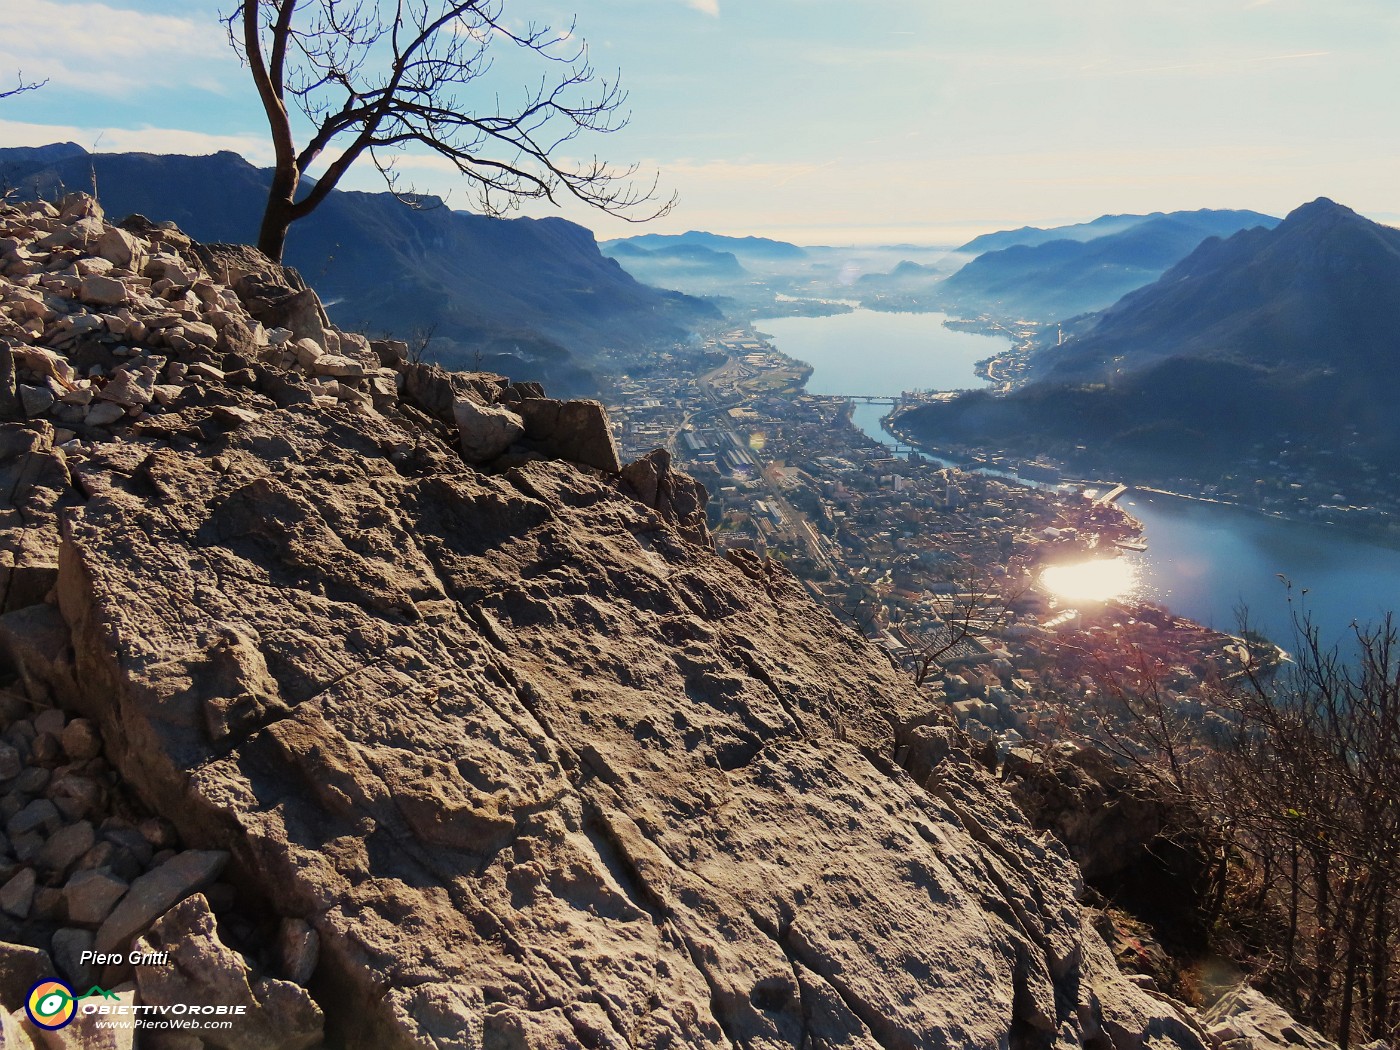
(155, 892)
(540, 770)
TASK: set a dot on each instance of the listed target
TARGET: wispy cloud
(709, 7)
(136, 140)
(114, 50)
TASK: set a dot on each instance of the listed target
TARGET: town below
(1011, 601)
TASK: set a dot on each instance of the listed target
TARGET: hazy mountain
(1270, 335)
(771, 278)
(745, 248)
(1065, 277)
(532, 296)
(905, 271)
(1321, 290)
(1031, 235)
(754, 277)
(684, 266)
(909, 286)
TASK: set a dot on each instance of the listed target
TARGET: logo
(51, 1005)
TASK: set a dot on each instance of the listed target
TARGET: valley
(1269, 493)
(921, 556)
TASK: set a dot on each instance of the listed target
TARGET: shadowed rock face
(536, 765)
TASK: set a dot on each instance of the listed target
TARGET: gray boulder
(157, 891)
(21, 967)
(680, 500)
(1245, 1019)
(486, 430)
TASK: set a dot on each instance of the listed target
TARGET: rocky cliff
(442, 728)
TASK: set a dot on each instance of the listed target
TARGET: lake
(1203, 559)
(877, 354)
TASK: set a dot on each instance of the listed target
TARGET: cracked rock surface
(530, 762)
(535, 765)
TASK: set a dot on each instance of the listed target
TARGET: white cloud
(709, 7)
(118, 51)
(255, 148)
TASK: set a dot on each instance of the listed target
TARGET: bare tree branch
(976, 604)
(1306, 793)
(378, 77)
(21, 85)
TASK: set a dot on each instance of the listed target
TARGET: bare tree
(21, 85)
(1318, 760)
(1133, 718)
(976, 604)
(1298, 811)
(379, 76)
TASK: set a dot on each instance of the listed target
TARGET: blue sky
(830, 122)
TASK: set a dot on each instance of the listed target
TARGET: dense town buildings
(938, 565)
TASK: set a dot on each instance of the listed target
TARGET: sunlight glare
(1097, 580)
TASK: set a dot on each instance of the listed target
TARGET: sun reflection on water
(1096, 580)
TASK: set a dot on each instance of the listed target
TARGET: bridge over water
(898, 447)
(869, 399)
(874, 399)
(909, 397)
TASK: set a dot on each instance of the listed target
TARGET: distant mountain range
(680, 265)
(1322, 289)
(1103, 226)
(530, 297)
(1290, 333)
(747, 277)
(906, 271)
(745, 248)
(1049, 277)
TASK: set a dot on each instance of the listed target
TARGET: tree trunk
(272, 235)
(1290, 943)
(278, 215)
(1324, 950)
(1381, 961)
(1354, 949)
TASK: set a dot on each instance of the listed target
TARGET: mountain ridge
(533, 294)
(1325, 275)
(1252, 341)
(1061, 278)
(1032, 235)
(754, 247)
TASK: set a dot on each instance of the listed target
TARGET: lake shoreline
(1348, 572)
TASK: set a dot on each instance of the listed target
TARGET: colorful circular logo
(51, 1004)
